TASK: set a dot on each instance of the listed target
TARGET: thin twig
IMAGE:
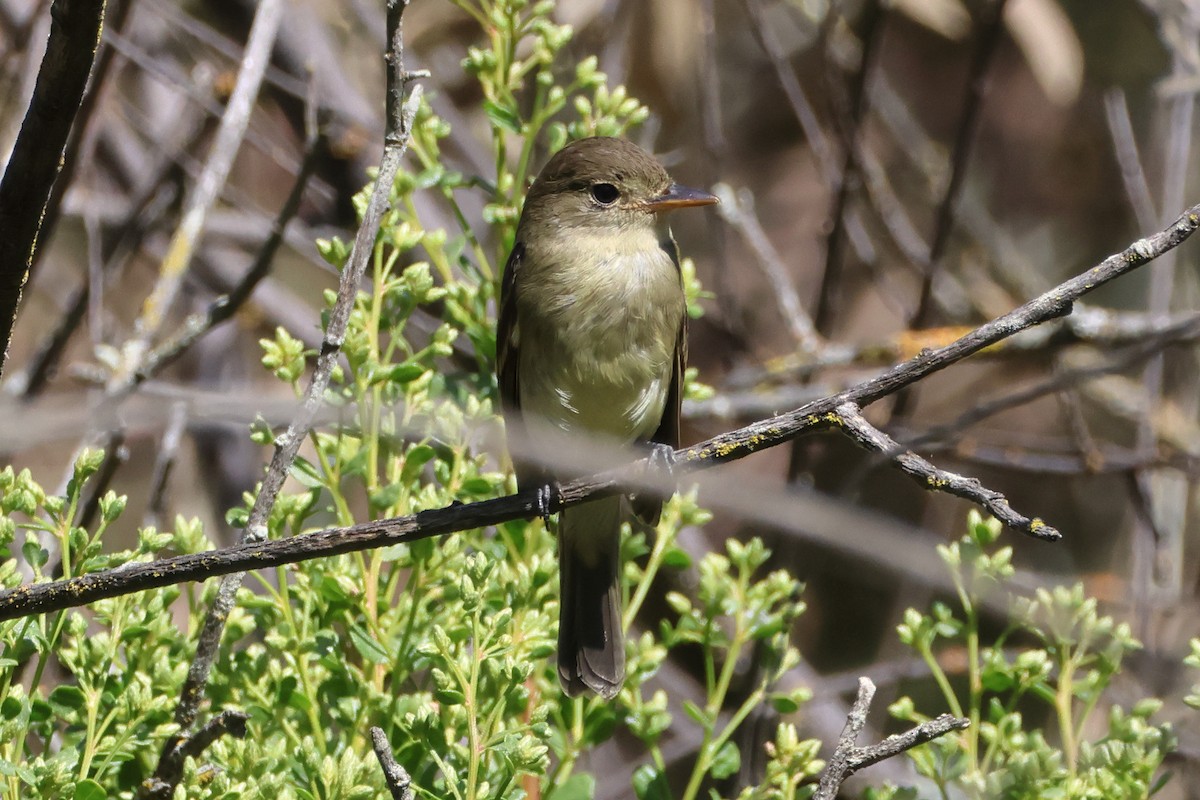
(731, 446)
(874, 21)
(225, 147)
(1182, 332)
(1101, 327)
(37, 153)
(224, 307)
(1071, 406)
(398, 781)
(1166, 498)
(145, 208)
(1108, 461)
(164, 464)
(181, 747)
(847, 419)
(824, 158)
(737, 209)
(992, 30)
(1133, 174)
(849, 758)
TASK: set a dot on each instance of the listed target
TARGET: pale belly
(616, 396)
(603, 363)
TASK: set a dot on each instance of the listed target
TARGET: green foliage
(1193, 660)
(732, 617)
(1055, 660)
(103, 682)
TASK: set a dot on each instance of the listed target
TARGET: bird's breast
(598, 334)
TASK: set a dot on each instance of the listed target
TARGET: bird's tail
(591, 646)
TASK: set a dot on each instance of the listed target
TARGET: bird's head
(606, 182)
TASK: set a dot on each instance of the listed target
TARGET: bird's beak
(677, 196)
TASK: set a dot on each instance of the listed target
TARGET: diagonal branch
(256, 554)
(847, 419)
(992, 25)
(179, 748)
(37, 154)
(230, 133)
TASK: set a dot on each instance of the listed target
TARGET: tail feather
(591, 647)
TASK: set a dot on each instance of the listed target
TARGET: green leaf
(111, 506)
(476, 485)
(449, 696)
(88, 789)
(677, 558)
(696, 713)
(1161, 783)
(23, 772)
(368, 646)
(579, 786)
(995, 680)
(10, 707)
(386, 496)
(68, 697)
(726, 762)
(650, 784)
(406, 372)
(784, 703)
(34, 553)
(415, 460)
(501, 117)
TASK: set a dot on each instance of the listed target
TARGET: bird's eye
(605, 193)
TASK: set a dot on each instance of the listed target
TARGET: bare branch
(1183, 330)
(399, 121)
(737, 209)
(848, 419)
(228, 141)
(824, 157)
(164, 464)
(224, 307)
(398, 781)
(182, 747)
(874, 17)
(992, 31)
(848, 758)
(37, 154)
(1133, 174)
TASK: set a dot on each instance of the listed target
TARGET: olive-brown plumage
(591, 342)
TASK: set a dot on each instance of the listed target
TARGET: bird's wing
(648, 507)
(508, 368)
(668, 427)
(507, 338)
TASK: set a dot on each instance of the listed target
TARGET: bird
(592, 344)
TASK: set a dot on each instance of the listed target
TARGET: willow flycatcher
(592, 339)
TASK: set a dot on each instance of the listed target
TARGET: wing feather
(508, 368)
(649, 508)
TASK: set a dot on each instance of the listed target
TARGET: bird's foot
(548, 495)
(662, 458)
